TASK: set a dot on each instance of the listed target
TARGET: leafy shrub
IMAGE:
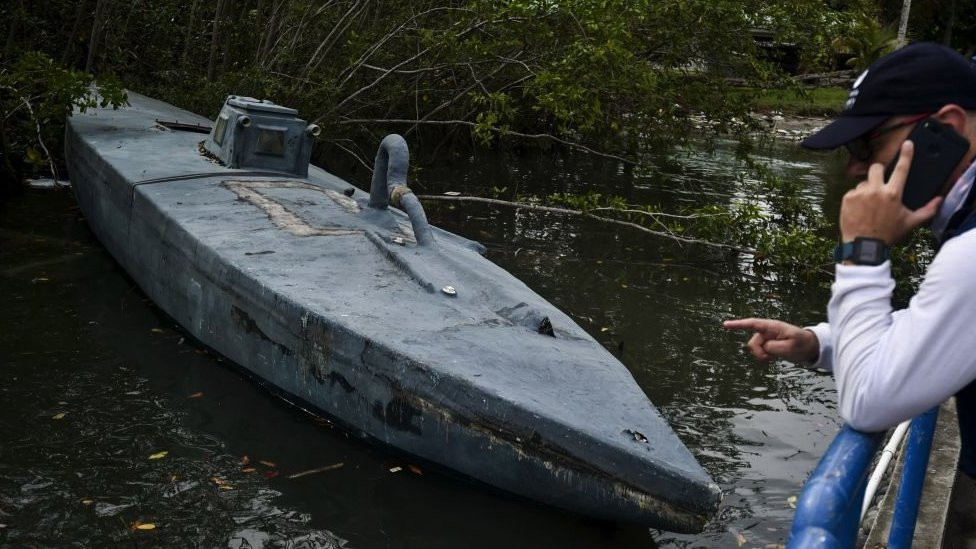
(36, 97)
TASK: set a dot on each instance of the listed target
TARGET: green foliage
(909, 261)
(797, 101)
(782, 235)
(589, 201)
(785, 237)
(615, 75)
(950, 22)
(36, 97)
(868, 41)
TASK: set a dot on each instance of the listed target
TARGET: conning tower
(258, 134)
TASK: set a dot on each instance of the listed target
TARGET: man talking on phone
(892, 365)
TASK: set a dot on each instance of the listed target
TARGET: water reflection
(759, 429)
(79, 339)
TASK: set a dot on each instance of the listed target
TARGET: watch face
(870, 252)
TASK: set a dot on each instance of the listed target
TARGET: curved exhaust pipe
(389, 186)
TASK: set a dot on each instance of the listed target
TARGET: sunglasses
(861, 149)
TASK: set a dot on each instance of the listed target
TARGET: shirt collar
(954, 201)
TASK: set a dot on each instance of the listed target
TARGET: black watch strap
(863, 251)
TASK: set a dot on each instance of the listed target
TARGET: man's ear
(953, 116)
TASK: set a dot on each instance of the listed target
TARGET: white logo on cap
(854, 91)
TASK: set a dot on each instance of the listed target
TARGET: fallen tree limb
(581, 213)
(494, 129)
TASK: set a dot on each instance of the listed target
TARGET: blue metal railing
(918, 446)
(828, 511)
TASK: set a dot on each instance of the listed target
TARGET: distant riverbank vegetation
(798, 101)
(610, 77)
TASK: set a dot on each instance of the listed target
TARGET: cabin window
(271, 141)
(220, 130)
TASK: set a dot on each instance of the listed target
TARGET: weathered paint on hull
(332, 302)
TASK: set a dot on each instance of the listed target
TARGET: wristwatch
(863, 251)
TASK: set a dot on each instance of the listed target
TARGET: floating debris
(48, 183)
(317, 470)
(103, 509)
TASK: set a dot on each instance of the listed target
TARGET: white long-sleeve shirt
(893, 365)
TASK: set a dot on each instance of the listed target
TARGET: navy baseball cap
(921, 77)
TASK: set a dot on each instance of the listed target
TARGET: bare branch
(653, 214)
(515, 61)
(501, 131)
(271, 30)
(443, 66)
(47, 153)
(567, 211)
(356, 156)
(355, 66)
(459, 95)
(290, 77)
(378, 79)
(349, 71)
(411, 71)
(340, 27)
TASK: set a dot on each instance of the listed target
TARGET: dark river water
(117, 429)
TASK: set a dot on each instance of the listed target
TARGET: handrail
(828, 510)
(887, 453)
(389, 186)
(917, 450)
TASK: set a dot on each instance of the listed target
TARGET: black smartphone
(938, 150)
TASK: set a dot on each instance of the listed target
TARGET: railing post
(828, 510)
(917, 450)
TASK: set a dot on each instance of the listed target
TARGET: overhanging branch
(581, 213)
(500, 131)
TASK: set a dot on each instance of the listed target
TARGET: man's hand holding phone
(874, 209)
(938, 151)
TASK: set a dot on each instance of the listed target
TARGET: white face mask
(954, 201)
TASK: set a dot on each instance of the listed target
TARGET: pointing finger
(742, 324)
